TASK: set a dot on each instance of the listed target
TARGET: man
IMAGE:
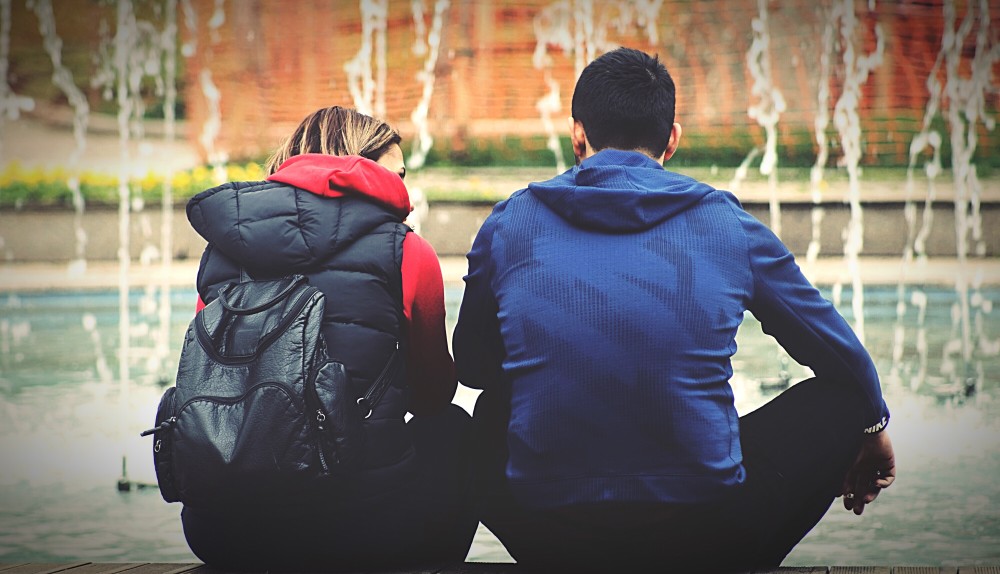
(600, 315)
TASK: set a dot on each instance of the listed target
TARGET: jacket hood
(619, 191)
(335, 176)
(288, 221)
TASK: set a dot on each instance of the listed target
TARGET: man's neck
(591, 152)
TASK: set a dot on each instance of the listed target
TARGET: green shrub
(36, 187)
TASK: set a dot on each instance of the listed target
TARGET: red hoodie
(430, 368)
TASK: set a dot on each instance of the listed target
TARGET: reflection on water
(64, 431)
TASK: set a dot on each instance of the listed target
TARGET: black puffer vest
(348, 247)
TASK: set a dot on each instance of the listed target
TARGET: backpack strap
(375, 392)
(296, 280)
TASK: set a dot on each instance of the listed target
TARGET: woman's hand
(873, 470)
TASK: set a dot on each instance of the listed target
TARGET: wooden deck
(466, 568)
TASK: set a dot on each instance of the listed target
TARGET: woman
(332, 209)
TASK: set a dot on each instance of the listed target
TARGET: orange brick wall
(274, 62)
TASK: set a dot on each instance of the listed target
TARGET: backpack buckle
(366, 407)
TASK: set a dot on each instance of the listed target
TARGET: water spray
(767, 111)
(848, 123)
(365, 79)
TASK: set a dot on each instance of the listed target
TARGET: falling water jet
(425, 76)
(551, 26)
(848, 123)
(768, 110)
(820, 125)
(430, 48)
(966, 108)
(571, 26)
(213, 96)
(740, 175)
(169, 45)
(132, 58)
(63, 79)
(11, 105)
(584, 49)
(915, 248)
(365, 80)
(124, 44)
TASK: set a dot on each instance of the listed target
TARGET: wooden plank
(105, 567)
(795, 570)
(204, 569)
(164, 568)
(464, 568)
(43, 567)
(482, 568)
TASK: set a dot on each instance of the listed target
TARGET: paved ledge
(941, 271)
(466, 568)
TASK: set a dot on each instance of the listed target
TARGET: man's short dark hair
(625, 100)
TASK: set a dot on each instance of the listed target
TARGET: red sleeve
(430, 368)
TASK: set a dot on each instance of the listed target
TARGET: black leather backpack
(258, 407)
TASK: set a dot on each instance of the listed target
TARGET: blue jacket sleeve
(806, 325)
(477, 344)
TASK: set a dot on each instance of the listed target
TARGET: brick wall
(273, 62)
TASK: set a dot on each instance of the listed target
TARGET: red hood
(336, 176)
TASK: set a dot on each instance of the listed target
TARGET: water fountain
(579, 28)
(767, 111)
(11, 105)
(856, 68)
(62, 78)
(820, 125)
(428, 47)
(963, 94)
(365, 77)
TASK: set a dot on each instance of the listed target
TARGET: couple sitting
(599, 318)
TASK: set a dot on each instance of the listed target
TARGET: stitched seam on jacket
(298, 221)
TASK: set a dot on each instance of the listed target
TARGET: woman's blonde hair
(336, 131)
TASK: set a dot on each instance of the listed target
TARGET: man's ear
(578, 137)
(673, 142)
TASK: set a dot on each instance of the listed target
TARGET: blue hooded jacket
(609, 298)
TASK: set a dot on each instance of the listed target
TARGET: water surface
(65, 427)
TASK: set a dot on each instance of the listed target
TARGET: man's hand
(873, 470)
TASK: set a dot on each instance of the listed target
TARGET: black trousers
(427, 521)
(797, 449)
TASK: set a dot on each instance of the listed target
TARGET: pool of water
(66, 424)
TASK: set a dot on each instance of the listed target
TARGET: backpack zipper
(380, 386)
(319, 418)
(165, 425)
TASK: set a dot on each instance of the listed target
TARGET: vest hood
(619, 191)
(335, 176)
(294, 219)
